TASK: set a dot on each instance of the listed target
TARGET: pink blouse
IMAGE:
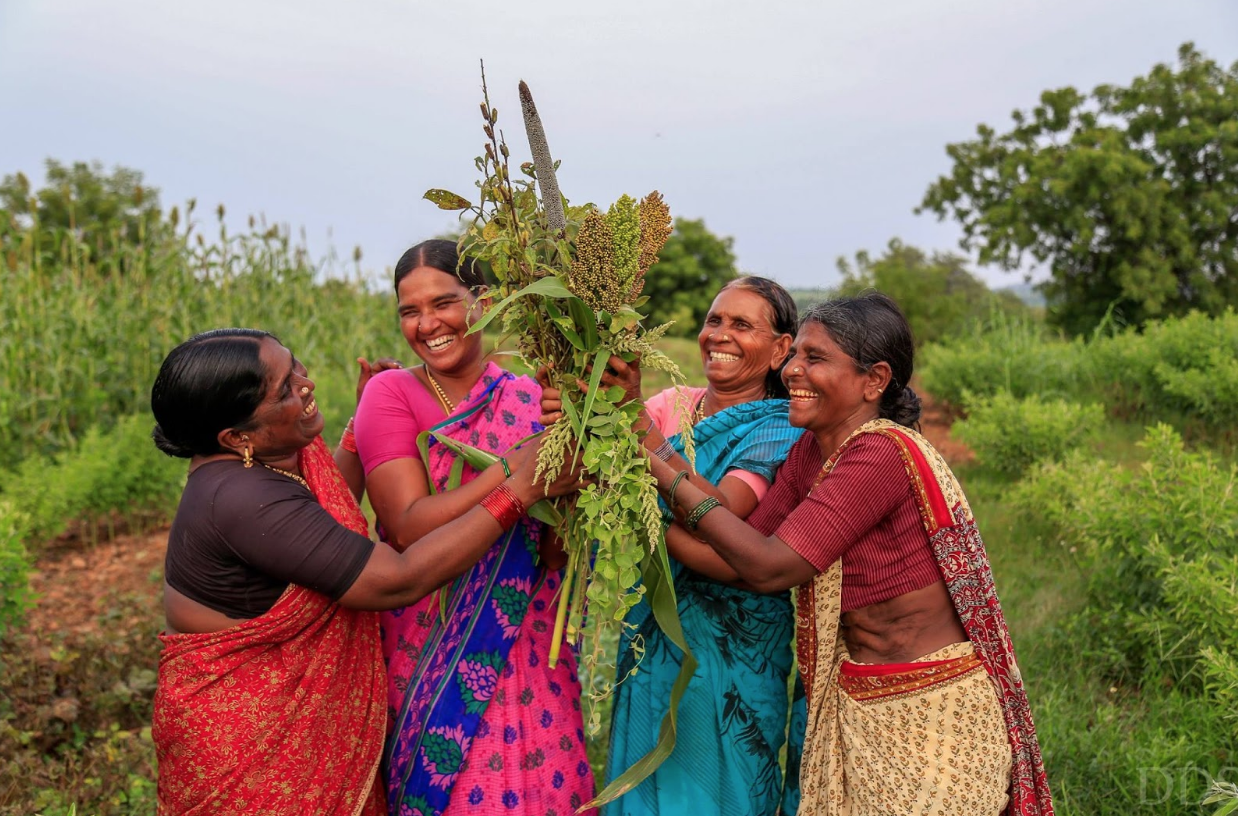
(665, 409)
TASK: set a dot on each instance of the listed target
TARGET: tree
(101, 210)
(691, 268)
(938, 294)
(1130, 195)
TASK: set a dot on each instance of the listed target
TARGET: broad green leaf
(447, 200)
(548, 286)
(480, 460)
(586, 322)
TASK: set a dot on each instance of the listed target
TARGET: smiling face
(436, 311)
(288, 418)
(739, 345)
(829, 392)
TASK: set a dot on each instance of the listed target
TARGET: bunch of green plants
(1010, 434)
(569, 297)
(14, 566)
(114, 478)
(1158, 548)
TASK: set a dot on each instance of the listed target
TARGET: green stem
(556, 640)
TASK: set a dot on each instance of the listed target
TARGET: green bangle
(507, 469)
(698, 512)
(679, 477)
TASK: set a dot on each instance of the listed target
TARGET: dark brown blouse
(242, 535)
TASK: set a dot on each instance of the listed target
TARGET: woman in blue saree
(733, 718)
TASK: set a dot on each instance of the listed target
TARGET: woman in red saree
(271, 691)
(915, 701)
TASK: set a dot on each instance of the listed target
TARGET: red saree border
(898, 679)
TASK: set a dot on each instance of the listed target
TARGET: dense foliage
(1128, 194)
(1158, 547)
(937, 293)
(1010, 434)
(1179, 370)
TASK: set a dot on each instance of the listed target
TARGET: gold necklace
(289, 474)
(448, 406)
(700, 410)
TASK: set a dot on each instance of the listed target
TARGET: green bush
(1010, 434)
(14, 567)
(1158, 546)
(1009, 352)
(1182, 368)
(117, 475)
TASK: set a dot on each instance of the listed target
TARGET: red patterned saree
(281, 714)
(867, 742)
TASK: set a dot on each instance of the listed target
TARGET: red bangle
(348, 442)
(504, 506)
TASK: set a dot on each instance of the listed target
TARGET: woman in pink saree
(478, 721)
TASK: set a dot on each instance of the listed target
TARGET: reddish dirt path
(78, 585)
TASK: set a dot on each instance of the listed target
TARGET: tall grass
(83, 340)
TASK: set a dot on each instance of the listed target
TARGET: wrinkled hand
(625, 375)
(368, 370)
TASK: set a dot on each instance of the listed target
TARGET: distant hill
(1025, 292)
(807, 297)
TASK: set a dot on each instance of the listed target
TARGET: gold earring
(247, 456)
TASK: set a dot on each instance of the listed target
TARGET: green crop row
(83, 340)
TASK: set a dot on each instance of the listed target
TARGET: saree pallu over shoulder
(964, 565)
(280, 714)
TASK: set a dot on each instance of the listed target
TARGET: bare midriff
(184, 615)
(904, 628)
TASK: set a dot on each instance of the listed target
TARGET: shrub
(1013, 353)
(1182, 368)
(1010, 434)
(1158, 546)
(14, 567)
(113, 475)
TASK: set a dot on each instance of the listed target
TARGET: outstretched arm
(764, 563)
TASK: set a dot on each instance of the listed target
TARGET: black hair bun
(168, 446)
(905, 408)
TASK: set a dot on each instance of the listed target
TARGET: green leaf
(595, 380)
(480, 460)
(586, 322)
(548, 286)
(447, 200)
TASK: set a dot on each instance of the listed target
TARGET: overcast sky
(806, 130)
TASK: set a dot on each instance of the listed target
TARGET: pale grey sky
(805, 130)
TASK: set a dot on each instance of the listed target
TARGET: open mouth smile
(440, 343)
(801, 395)
(722, 357)
(311, 409)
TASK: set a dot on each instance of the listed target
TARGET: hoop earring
(247, 457)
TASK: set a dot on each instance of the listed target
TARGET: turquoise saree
(733, 718)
